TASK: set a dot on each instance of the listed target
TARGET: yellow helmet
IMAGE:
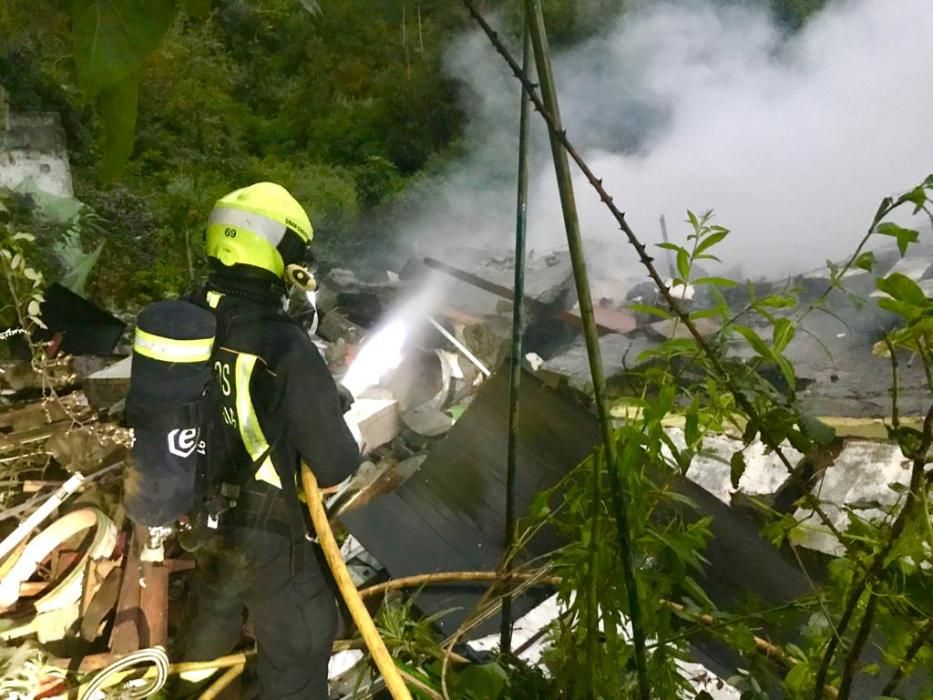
(262, 226)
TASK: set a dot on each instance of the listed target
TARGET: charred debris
(432, 413)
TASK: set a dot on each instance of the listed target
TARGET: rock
(341, 278)
(427, 421)
(334, 326)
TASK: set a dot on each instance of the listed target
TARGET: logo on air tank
(182, 442)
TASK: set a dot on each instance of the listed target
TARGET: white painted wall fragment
(860, 479)
(34, 147)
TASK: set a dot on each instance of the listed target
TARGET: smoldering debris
(412, 349)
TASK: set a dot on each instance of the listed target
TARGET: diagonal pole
(539, 42)
(560, 135)
(518, 330)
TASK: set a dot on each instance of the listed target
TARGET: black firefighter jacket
(279, 404)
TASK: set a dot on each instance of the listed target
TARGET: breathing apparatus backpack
(179, 461)
(170, 408)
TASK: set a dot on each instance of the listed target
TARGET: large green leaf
(901, 288)
(904, 236)
(112, 38)
(817, 430)
(117, 108)
(480, 681)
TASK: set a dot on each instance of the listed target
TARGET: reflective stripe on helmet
(262, 226)
(250, 432)
(165, 349)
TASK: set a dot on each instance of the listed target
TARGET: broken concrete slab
(86, 365)
(109, 385)
(866, 478)
(377, 421)
(764, 472)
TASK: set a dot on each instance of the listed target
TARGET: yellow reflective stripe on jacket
(213, 299)
(170, 349)
(250, 432)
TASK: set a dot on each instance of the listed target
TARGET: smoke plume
(792, 139)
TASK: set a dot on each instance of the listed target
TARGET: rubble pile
(75, 593)
(416, 349)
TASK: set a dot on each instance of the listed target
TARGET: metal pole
(461, 347)
(574, 242)
(518, 330)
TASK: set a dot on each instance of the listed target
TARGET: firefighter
(276, 405)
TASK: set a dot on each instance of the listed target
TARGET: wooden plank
(142, 608)
(125, 635)
(33, 435)
(36, 485)
(31, 416)
(86, 664)
(153, 605)
(609, 322)
(98, 604)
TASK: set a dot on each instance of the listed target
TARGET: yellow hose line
(217, 687)
(216, 664)
(385, 664)
(448, 577)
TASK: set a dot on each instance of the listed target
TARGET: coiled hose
(390, 673)
(154, 655)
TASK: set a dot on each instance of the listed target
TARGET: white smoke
(792, 139)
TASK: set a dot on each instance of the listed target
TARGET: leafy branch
(716, 363)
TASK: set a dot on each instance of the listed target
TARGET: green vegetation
(342, 106)
(876, 595)
(168, 104)
(345, 102)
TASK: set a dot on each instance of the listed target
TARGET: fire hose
(154, 655)
(349, 593)
(351, 596)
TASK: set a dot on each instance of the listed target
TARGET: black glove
(346, 398)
